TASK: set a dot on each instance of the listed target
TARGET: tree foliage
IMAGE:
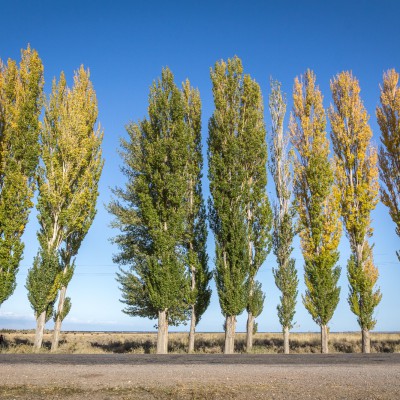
(240, 214)
(316, 199)
(20, 105)
(255, 304)
(357, 176)
(43, 282)
(68, 177)
(151, 211)
(195, 236)
(388, 115)
(280, 166)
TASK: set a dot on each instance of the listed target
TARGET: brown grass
(145, 343)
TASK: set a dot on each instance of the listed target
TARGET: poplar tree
(317, 203)
(281, 167)
(20, 105)
(357, 177)
(68, 190)
(254, 157)
(388, 115)
(240, 215)
(151, 211)
(196, 228)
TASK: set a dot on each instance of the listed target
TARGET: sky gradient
(126, 43)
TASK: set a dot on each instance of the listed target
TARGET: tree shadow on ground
(131, 346)
(214, 345)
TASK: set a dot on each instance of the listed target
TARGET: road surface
(241, 376)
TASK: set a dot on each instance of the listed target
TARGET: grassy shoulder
(212, 343)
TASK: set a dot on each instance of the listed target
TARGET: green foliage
(43, 282)
(240, 214)
(152, 210)
(362, 298)
(256, 299)
(322, 295)
(285, 275)
(20, 105)
(66, 309)
(283, 213)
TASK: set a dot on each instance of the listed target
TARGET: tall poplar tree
(317, 203)
(21, 98)
(152, 210)
(68, 190)
(240, 215)
(388, 115)
(196, 224)
(283, 223)
(357, 176)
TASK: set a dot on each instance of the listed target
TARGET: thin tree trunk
(249, 335)
(250, 317)
(366, 341)
(162, 333)
(193, 280)
(58, 322)
(230, 334)
(192, 331)
(324, 339)
(286, 340)
(40, 323)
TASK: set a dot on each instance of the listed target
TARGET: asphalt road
(202, 359)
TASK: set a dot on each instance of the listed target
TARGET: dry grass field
(212, 343)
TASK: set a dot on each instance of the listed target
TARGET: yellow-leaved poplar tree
(357, 176)
(317, 203)
(68, 189)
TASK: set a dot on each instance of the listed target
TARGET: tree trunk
(366, 341)
(324, 339)
(230, 334)
(192, 331)
(286, 349)
(58, 322)
(40, 323)
(162, 333)
(249, 335)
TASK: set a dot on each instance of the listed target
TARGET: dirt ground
(339, 376)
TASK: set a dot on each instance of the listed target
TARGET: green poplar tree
(196, 225)
(68, 190)
(317, 201)
(20, 105)
(283, 224)
(152, 211)
(240, 215)
(388, 115)
(357, 176)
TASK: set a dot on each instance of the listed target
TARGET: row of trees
(162, 217)
(61, 158)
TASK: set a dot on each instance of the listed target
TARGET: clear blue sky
(126, 43)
